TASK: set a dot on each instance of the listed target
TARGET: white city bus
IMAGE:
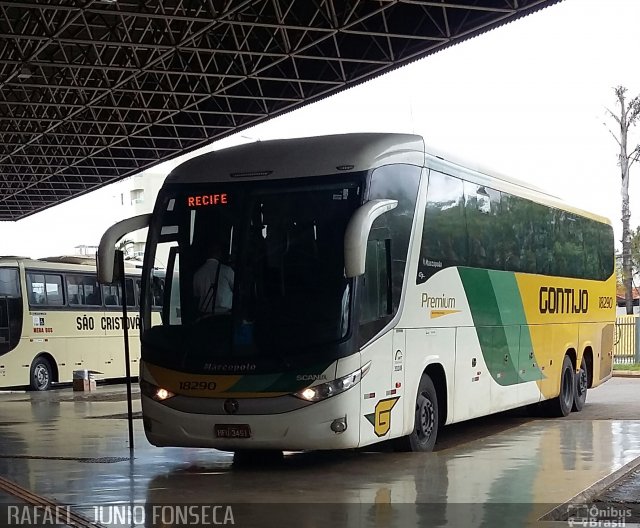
(55, 319)
(380, 291)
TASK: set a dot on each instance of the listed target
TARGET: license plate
(232, 430)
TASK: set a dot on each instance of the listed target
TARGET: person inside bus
(213, 280)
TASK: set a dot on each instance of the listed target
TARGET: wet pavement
(623, 493)
(510, 470)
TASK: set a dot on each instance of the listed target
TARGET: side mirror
(105, 259)
(357, 233)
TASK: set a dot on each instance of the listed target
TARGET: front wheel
(425, 428)
(41, 374)
(581, 384)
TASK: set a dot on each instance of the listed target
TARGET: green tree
(635, 250)
(629, 111)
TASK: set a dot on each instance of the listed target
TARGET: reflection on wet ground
(49, 446)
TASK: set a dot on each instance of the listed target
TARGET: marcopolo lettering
(563, 300)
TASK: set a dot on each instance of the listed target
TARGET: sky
(528, 100)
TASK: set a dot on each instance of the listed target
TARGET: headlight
(331, 388)
(154, 392)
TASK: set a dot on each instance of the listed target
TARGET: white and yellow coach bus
(55, 318)
(380, 291)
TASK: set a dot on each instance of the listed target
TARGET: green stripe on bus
(499, 317)
(507, 292)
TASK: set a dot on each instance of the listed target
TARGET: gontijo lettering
(563, 300)
(204, 200)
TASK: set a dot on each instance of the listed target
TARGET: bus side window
(376, 298)
(131, 296)
(444, 231)
(93, 297)
(376, 305)
(157, 290)
(111, 295)
(36, 288)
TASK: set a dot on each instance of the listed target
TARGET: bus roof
(301, 157)
(323, 155)
(62, 263)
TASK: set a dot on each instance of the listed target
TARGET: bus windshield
(252, 271)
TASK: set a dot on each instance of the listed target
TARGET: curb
(626, 373)
(561, 512)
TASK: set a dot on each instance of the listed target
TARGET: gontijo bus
(55, 318)
(381, 290)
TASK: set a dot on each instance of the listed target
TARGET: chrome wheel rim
(582, 382)
(425, 418)
(41, 376)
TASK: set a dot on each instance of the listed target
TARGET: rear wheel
(561, 406)
(425, 428)
(581, 384)
(41, 374)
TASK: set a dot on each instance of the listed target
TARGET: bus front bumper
(308, 428)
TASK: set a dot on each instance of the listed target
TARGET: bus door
(5, 333)
(378, 386)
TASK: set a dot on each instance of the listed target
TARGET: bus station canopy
(93, 91)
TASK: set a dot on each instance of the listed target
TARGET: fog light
(339, 425)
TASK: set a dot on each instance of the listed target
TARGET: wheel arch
(573, 356)
(55, 373)
(588, 359)
(439, 378)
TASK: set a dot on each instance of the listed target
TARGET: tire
(425, 427)
(562, 405)
(580, 389)
(41, 374)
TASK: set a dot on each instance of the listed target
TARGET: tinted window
(396, 182)
(444, 236)
(605, 250)
(9, 282)
(111, 295)
(131, 294)
(375, 292)
(496, 230)
(482, 212)
(45, 289)
(83, 290)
